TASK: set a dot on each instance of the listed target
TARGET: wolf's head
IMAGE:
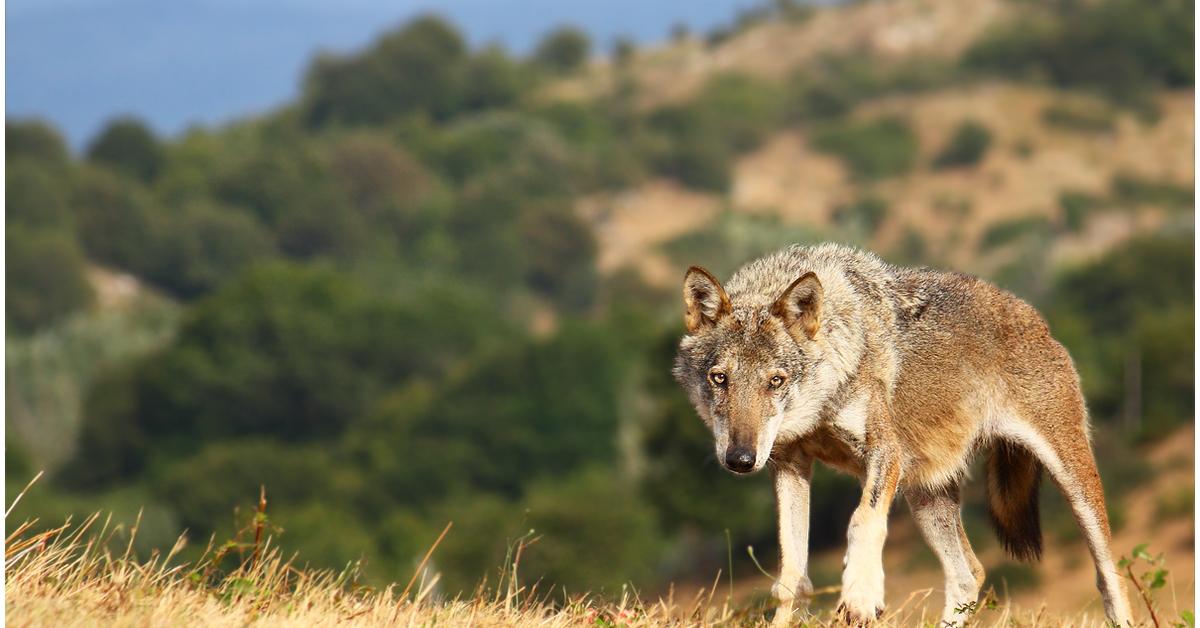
(745, 367)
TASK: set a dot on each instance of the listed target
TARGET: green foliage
(297, 353)
(1121, 48)
(46, 278)
(204, 245)
(205, 488)
(561, 253)
(1076, 208)
(563, 50)
(501, 425)
(116, 220)
(592, 535)
(835, 84)
(1008, 231)
(966, 147)
(1132, 307)
(493, 80)
(35, 140)
(35, 195)
(623, 51)
(874, 149)
(864, 215)
(1084, 116)
(47, 374)
(418, 68)
(732, 114)
(742, 108)
(129, 147)
(1131, 189)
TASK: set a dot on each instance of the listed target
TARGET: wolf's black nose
(739, 459)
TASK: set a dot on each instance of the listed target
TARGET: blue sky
(180, 62)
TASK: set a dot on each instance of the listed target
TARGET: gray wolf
(896, 376)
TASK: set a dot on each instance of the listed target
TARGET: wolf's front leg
(792, 486)
(862, 580)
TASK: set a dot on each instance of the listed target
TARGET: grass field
(86, 574)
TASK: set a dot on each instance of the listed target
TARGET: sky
(176, 63)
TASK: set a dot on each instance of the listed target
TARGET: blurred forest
(438, 286)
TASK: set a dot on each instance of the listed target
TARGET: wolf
(897, 376)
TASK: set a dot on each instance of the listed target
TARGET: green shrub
(1132, 306)
(834, 85)
(1080, 116)
(204, 245)
(1007, 231)
(36, 140)
(419, 68)
(294, 352)
(966, 147)
(499, 425)
(129, 147)
(864, 215)
(593, 533)
(49, 373)
(36, 195)
(116, 220)
(563, 50)
(1132, 189)
(46, 278)
(1122, 48)
(874, 149)
(204, 488)
(742, 109)
(1076, 207)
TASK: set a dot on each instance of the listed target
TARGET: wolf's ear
(799, 307)
(704, 298)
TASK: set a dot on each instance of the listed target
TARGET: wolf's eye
(776, 381)
(717, 378)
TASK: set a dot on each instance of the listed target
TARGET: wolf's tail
(1013, 478)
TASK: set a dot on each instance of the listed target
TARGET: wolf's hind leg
(1065, 450)
(938, 515)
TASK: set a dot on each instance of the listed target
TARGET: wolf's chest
(835, 447)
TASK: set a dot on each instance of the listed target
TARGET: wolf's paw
(788, 588)
(852, 615)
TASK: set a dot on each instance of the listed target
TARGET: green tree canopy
(128, 146)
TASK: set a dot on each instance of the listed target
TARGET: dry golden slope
(1029, 165)
(886, 29)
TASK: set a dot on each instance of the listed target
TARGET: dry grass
(79, 575)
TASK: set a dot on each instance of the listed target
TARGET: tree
(967, 146)
(129, 147)
(418, 68)
(36, 140)
(35, 195)
(206, 244)
(46, 278)
(563, 50)
(284, 352)
(533, 409)
(116, 221)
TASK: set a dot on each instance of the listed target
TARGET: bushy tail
(1013, 478)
